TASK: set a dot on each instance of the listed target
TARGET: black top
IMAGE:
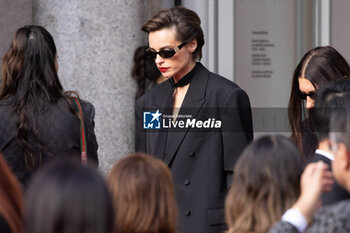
(309, 140)
(185, 79)
(58, 130)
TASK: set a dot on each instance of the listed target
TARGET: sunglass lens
(166, 53)
(151, 54)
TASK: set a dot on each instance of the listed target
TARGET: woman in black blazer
(197, 122)
(38, 119)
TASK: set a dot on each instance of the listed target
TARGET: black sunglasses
(164, 53)
(303, 95)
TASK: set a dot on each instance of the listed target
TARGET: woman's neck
(180, 75)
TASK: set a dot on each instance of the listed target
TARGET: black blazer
(59, 131)
(201, 162)
(337, 193)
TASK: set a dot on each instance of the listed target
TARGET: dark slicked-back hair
(333, 96)
(186, 22)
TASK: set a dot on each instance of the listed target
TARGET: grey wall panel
(13, 15)
(339, 30)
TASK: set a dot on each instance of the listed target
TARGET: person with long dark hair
(265, 185)
(318, 66)
(68, 197)
(11, 201)
(38, 119)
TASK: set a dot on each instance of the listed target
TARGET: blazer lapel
(192, 104)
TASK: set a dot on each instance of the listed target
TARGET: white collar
(325, 154)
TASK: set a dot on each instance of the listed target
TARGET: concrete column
(95, 42)
(13, 15)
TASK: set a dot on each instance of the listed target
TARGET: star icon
(155, 115)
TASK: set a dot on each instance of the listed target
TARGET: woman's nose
(159, 59)
(310, 103)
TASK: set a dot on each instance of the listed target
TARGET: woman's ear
(192, 45)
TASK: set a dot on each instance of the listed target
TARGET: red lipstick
(163, 69)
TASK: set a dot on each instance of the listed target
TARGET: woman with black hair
(38, 119)
(318, 66)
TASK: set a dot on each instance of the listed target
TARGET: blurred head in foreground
(143, 195)
(68, 197)
(265, 184)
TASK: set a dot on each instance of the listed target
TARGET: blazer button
(191, 153)
(187, 182)
(188, 213)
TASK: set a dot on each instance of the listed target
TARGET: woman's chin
(167, 75)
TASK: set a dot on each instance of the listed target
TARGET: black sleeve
(237, 129)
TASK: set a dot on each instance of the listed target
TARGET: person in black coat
(334, 95)
(38, 119)
(198, 122)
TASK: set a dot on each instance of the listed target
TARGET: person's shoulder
(63, 107)
(222, 84)
(218, 80)
(335, 216)
(339, 209)
(87, 105)
(224, 88)
(88, 109)
(154, 93)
